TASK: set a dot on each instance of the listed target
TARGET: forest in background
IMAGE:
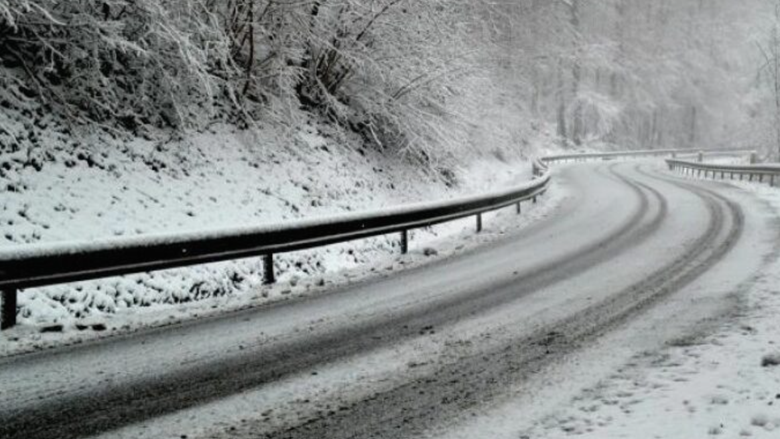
(430, 78)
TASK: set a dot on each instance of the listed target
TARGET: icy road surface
(478, 345)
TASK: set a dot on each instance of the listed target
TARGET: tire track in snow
(411, 409)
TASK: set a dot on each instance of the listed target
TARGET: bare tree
(770, 70)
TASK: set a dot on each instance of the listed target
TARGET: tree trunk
(576, 73)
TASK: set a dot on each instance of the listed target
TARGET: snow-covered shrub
(407, 75)
(383, 68)
(134, 62)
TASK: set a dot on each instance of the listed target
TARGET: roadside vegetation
(431, 79)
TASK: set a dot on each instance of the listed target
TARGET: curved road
(408, 355)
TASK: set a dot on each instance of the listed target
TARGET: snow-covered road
(477, 345)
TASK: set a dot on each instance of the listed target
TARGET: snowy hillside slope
(100, 187)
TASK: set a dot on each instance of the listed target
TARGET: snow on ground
(724, 384)
(76, 191)
(425, 246)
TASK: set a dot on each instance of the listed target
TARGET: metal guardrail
(761, 172)
(47, 264)
(563, 158)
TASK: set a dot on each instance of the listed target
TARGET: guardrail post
(701, 156)
(404, 242)
(753, 158)
(479, 222)
(519, 208)
(772, 180)
(8, 308)
(269, 277)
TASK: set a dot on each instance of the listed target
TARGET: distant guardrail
(583, 157)
(563, 158)
(39, 265)
(755, 172)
